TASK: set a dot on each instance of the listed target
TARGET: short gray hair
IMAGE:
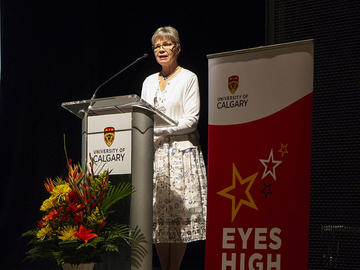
(166, 32)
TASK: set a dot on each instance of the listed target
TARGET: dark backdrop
(56, 51)
(334, 239)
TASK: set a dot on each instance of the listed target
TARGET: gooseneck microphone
(113, 76)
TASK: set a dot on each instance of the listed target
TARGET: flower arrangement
(75, 227)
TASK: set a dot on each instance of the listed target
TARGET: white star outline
(270, 160)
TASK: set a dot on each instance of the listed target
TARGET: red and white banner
(259, 157)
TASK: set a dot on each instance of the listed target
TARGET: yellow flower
(43, 232)
(68, 233)
(48, 204)
(95, 217)
(61, 191)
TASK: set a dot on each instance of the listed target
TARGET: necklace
(165, 77)
(163, 80)
(168, 76)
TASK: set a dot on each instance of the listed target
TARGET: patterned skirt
(179, 194)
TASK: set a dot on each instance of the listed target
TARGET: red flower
(92, 196)
(41, 223)
(53, 214)
(78, 218)
(74, 207)
(65, 217)
(84, 234)
(73, 196)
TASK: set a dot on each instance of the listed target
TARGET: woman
(180, 183)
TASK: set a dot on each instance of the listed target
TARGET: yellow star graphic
(283, 150)
(248, 201)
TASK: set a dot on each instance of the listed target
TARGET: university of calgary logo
(109, 135)
(233, 83)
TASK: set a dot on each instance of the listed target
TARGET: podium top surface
(117, 104)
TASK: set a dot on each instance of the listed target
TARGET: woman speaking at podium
(179, 180)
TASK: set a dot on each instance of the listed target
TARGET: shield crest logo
(109, 135)
(233, 83)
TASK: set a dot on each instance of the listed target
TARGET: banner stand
(259, 157)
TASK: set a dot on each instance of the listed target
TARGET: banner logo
(233, 83)
(109, 135)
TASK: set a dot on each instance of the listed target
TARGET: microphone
(115, 75)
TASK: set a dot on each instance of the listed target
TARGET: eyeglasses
(165, 46)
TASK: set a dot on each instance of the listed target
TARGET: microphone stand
(89, 108)
(113, 76)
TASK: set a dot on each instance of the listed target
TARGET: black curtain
(56, 51)
(334, 239)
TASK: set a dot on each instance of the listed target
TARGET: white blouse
(182, 101)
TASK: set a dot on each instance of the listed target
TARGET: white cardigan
(183, 102)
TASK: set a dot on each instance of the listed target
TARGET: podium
(118, 133)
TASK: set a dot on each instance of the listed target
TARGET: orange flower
(53, 214)
(74, 207)
(75, 174)
(49, 185)
(84, 234)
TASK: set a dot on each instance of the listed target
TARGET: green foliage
(116, 193)
(138, 252)
(83, 200)
(76, 252)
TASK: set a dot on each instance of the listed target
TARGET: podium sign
(260, 123)
(107, 129)
(109, 142)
